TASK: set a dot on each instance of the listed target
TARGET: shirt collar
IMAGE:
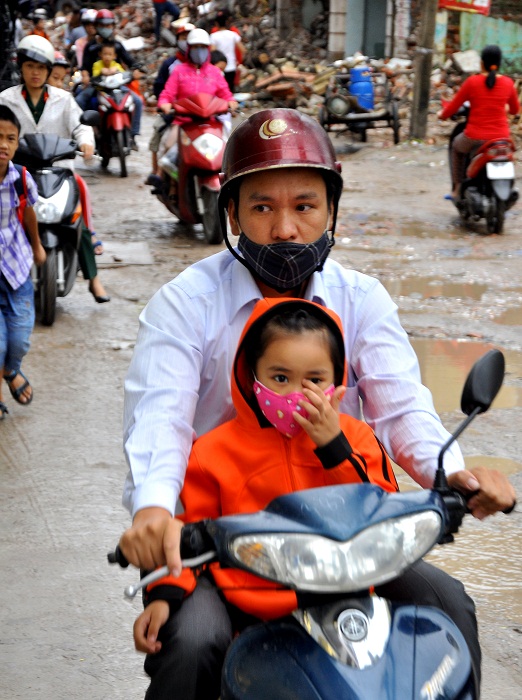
(245, 291)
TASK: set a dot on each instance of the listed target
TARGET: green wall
(476, 31)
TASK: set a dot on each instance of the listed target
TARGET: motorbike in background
(59, 214)
(488, 190)
(199, 155)
(115, 106)
(332, 546)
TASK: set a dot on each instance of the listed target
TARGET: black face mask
(284, 266)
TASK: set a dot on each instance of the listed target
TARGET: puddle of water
(429, 287)
(486, 554)
(511, 317)
(445, 364)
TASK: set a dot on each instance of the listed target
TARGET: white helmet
(35, 48)
(198, 36)
(88, 16)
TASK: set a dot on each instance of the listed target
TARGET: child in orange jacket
(287, 383)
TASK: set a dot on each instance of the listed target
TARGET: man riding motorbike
(281, 189)
(49, 110)
(105, 23)
(488, 94)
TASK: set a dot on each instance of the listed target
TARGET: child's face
(289, 359)
(57, 76)
(107, 55)
(221, 65)
(8, 143)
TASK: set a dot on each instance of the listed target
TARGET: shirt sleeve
(96, 69)
(169, 93)
(457, 102)
(81, 133)
(161, 394)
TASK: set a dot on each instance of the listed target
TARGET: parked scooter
(115, 105)
(59, 215)
(488, 190)
(200, 147)
(332, 545)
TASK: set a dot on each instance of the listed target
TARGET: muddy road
(67, 631)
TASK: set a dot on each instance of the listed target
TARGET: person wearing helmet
(45, 109)
(160, 8)
(59, 71)
(181, 28)
(88, 18)
(188, 78)
(39, 17)
(105, 23)
(281, 186)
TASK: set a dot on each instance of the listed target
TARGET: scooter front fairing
(425, 658)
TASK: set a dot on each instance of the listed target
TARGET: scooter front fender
(118, 121)
(426, 657)
(209, 182)
(48, 238)
(502, 188)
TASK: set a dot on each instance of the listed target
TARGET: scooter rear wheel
(47, 289)
(495, 222)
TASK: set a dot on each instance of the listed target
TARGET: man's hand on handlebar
(153, 540)
(492, 490)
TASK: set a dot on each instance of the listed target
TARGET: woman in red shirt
(488, 94)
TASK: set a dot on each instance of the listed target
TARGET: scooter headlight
(209, 145)
(50, 211)
(313, 563)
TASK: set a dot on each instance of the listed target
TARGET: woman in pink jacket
(196, 75)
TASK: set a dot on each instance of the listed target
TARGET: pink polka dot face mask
(278, 409)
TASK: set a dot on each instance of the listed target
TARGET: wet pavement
(66, 629)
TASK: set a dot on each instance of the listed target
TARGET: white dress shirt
(178, 383)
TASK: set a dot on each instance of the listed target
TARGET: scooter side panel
(425, 654)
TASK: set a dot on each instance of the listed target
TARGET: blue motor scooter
(332, 545)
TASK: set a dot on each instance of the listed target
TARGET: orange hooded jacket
(240, 466)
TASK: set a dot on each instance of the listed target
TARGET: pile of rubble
(289, 72)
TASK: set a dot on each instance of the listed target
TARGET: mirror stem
(440, 482)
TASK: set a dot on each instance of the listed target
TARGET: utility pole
(422, 67)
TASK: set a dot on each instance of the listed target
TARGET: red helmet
(60, 60)
(105, 17)
(278, 138)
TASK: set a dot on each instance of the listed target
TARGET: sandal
(3, 410)
(16, 393)
(96, 244)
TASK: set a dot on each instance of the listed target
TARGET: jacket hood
(242, 379)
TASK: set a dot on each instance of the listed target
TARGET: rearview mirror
(483, 383)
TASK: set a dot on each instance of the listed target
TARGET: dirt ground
(66, 630)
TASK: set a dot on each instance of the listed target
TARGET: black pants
(195, 638)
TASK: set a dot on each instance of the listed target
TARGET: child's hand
(148, 625)
(39, 254)
(322, 424)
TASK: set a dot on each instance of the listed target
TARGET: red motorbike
(195, 164)
(115, 105)
(488, 190)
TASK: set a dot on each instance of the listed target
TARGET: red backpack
(21, 191)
